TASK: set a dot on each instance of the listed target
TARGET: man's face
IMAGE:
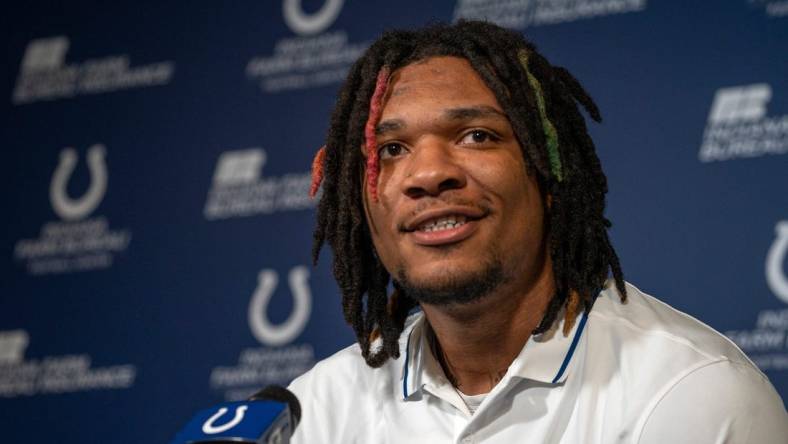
(457, 214)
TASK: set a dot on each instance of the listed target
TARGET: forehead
(447, 80)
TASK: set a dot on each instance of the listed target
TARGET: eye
(478, 136)
(390, 150)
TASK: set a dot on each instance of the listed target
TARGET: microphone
(270, 416)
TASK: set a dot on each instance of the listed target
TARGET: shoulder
(341, 379)
(341, 390)
(325, 394)
(652, 332)
(688, 382)
(346, 364)
(333, 394)
(725, 400)
(346, 374)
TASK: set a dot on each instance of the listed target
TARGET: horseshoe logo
(261, 327)
(308, 24)
(75, 209)
(209, 429)
(775, 276)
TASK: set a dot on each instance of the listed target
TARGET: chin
(447, 285)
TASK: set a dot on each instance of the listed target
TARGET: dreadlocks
(541, 103)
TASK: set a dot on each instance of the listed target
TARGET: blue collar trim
(572, 347)
(407, 359)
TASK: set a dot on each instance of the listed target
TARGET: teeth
(444, 223)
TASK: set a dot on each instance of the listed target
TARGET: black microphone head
(280, 394)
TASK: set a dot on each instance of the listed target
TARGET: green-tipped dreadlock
(549, 129)
(540, 101)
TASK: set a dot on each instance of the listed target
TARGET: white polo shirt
(640, 372)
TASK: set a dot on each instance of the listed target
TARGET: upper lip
(417, 220)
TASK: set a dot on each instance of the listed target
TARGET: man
(459, 174)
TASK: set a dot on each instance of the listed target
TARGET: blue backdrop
(154, 257)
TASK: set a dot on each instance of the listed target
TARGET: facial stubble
(455, 287)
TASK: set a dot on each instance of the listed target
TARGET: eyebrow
(473, 112)
(388, 126)
(464, 113)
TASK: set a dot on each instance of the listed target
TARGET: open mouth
(444, 226)
(443, 223)
(442, 219)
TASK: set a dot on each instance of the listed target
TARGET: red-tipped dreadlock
(375, 108)
(317, 171)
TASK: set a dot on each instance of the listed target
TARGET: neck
(477, 342)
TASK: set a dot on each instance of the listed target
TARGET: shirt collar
(544, 358)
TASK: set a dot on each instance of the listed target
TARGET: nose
(433, 169)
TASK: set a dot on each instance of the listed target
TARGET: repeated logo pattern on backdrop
(238, 189)
(44, 73)
(77, 242)
(739, 125)
(316, 56)
(775, 260)
(767, 343)
(280, 359)
(20, 377)
(772, 8)
(215, 296)
(528, 13)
